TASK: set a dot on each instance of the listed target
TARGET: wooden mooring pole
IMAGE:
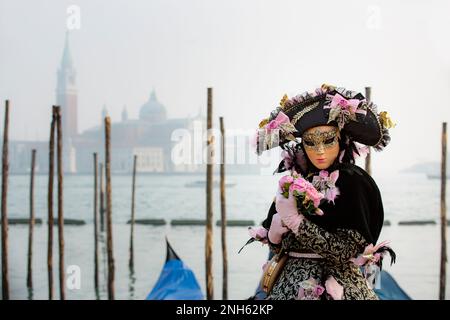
(109, 241)
(96, 283)
(62, 272)
(102, 199)
(209, 200)
(133, 189)
(31, 225)
(50, 204)
(5, 167)
(223, 213)
(443, 214)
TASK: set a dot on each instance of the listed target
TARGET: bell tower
(66, 98)
(66, 94)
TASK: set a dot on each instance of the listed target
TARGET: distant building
(66, 98)
(148, 137)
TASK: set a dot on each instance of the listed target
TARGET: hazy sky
(251, 52)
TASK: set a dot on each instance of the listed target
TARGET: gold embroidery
(303, 112)
(337, 248)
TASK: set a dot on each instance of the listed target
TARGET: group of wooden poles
(56, 126)
(106, 213)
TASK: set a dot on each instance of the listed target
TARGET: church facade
(148, 137)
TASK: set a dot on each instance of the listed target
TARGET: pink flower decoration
(278, 121)
(339, 101)
(285, 180)
(310, 290)
(343, 102)
(302, 184)
(318, 290)
(334, 176)
(295, 187)
(299, 187)
(272, 125)
(314, 195)
(316, 201)
(343, 110)
(310, 189)
(331, 194)
(323, 174)
(325, 183)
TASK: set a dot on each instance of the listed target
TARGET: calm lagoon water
(405, 196)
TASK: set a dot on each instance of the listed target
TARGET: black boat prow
(176, 280)
(170, 253)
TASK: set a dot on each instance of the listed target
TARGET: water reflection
(132, 282)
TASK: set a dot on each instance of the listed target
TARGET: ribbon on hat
(343, 110)
(278, 122)
(280, 125)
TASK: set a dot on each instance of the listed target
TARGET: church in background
(148, 137)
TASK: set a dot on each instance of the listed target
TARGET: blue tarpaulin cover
(176, 281)
(390, 290)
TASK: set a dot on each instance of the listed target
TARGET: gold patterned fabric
(348, 225)
(336, 249)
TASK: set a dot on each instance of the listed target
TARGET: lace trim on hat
(276, 131)
(385, 138)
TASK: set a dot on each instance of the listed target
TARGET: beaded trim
(304, 255)
(380, 127)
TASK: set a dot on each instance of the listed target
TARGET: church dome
(152, 110)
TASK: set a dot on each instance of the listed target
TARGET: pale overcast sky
(251, 52)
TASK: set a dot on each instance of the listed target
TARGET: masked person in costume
(333, 255)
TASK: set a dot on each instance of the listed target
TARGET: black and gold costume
(345, 229)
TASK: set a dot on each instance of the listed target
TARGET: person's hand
(276, 229)
(287, 209)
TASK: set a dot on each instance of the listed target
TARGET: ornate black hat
(327, 105)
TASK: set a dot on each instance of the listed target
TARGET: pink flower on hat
(343, 110)
(343, 103)
(278, 122)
